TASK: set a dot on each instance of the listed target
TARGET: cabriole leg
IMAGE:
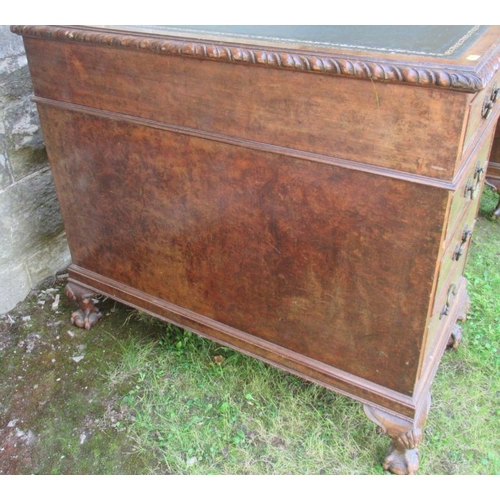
(403, 455)
(87, 315)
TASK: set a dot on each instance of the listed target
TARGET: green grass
(151, 398)
(204, 409)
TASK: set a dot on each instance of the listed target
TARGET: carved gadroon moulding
(424, 74)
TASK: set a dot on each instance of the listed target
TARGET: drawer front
(483, 108)
(452, 306)
(469, 190)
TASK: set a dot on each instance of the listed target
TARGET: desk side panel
(336, 265)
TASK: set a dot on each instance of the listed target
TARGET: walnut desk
(305, 195)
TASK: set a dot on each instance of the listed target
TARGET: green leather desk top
(432, 41)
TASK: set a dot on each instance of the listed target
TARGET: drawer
(482, 110)
(453, 261)
(469, 189)
(451, 306)
(443, 310)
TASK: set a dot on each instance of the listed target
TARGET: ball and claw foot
(86, 317)
(406, 435)
(402, 461)
(455, 338)
(88, 314)
(456, 332)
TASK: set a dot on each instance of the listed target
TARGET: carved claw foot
(88, 314)
(455, 338)
(403, 456)
(84, 318)
(402, 460)
(456, 332)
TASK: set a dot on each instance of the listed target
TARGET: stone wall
(32, 242)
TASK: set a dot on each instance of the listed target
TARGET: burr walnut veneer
(305, 195)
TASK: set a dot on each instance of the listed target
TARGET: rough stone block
(48, 259)
(32, 241)
(29, 216)
(10, 44)
(23, 144)
(15, 81)
(15, 285)
(6, 177)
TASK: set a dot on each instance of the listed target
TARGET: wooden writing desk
(305, 195)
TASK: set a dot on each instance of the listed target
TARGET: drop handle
(489, 101)
(452, 291)
(459, 248)
(473, 184)
(495, 92)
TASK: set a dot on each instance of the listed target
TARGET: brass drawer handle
(495, 92)
(473, 185)
(490, 101)
(459, 248)
(452, 291)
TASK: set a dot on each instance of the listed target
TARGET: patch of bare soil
(58, 412)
